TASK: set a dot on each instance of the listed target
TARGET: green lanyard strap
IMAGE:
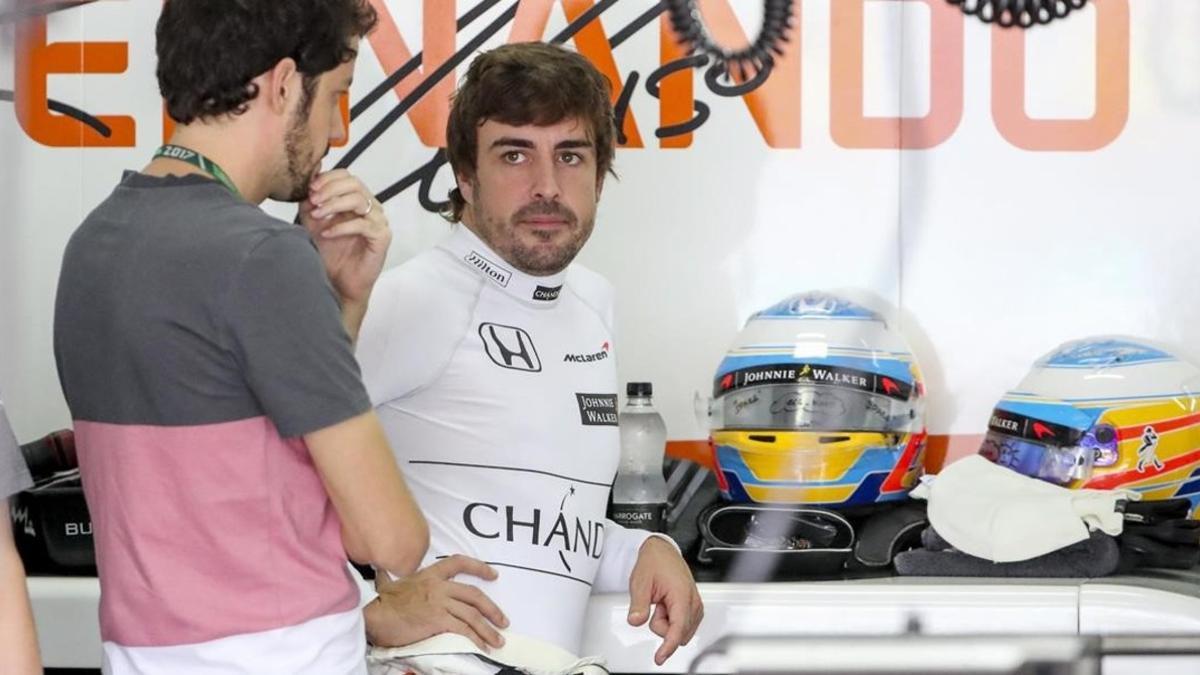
(199, 161)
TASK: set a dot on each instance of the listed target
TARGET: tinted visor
(1037, 448)
(1051, 463)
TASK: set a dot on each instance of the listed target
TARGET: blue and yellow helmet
(818, 402)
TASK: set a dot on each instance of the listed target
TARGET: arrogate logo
(588, 358)
(490, 269)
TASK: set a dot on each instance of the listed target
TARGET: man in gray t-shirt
(18, 643)
(229, 454)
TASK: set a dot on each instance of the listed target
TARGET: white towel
(992, 512)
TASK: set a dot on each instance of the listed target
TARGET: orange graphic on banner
(1112, 88)
(344, 111)
(36, 61)
(592, 42)
(430, 114)
(850, 128)
(168, 124)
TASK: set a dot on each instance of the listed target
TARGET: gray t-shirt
(182, 305)
(14, 475)
(197, 339)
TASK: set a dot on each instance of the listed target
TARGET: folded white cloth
(992, 512)
(453, 654)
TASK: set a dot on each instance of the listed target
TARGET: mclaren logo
(1042, 431)
(490, 269)
(588, 358)
(510, 347)
(889, 387)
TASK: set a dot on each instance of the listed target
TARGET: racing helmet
(1104, 412)
(818, 402)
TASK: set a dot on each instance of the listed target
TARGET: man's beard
(301, 168)
(539, 261)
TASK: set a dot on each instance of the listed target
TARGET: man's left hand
(663, 579)
(350, 230)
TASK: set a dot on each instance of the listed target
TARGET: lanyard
(200, 162)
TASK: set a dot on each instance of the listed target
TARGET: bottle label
(640, 516)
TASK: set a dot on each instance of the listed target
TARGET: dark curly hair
(527, 83)
(210, 50)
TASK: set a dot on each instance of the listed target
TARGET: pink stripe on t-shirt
(208, 531)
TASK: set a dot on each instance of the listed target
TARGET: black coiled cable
(1019, 13)
(751, 61)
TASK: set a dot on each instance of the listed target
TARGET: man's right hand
(428, 603)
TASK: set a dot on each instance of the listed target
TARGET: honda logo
(510, 347)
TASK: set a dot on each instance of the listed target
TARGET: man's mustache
(545, 209)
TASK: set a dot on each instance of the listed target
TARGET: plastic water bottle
(639, 497)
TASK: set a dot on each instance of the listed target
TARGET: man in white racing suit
(490, 360)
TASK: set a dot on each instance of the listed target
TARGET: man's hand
(428, 603)
(350, 230)
(662, 578)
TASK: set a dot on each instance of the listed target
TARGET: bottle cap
(639, 389)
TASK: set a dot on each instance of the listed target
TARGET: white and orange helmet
(1104, 412)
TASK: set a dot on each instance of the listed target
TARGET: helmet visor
(1038, 448)
(814, 397)
(809, 407)
(1051, 463)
